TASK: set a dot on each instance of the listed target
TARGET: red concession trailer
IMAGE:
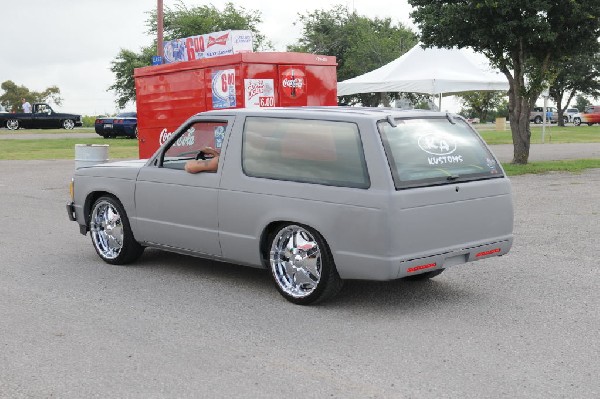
(167, 95)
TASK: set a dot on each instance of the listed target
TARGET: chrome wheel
(295, 259)
(106, 229)
(577, 121)
(68, 124)
(12, 124)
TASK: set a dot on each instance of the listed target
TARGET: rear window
(309, 151)
(434, 151)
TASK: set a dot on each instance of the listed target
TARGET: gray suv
(315, 195)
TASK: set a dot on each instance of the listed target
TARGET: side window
(189, 142)
(310, 151)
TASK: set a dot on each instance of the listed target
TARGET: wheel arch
(272, 226)
(90, 200)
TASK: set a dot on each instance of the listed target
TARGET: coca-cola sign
(187, 139)
(293, 82)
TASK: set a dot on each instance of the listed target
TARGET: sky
(71, 43)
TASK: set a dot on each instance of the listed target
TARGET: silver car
(316, 195)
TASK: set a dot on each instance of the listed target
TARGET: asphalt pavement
(525, 325)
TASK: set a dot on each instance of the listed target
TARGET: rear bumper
(358, 266)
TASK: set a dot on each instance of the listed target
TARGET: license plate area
(108, 126)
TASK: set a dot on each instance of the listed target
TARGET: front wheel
(68, 124)
(12, 124)
(538, 119)
(577, 121)
(302, 265)
(111, 233)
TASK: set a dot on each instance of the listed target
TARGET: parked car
(590, 116)
(124, 124)
(537, 114)
(42, 116)
(316, 195)
(569, 114)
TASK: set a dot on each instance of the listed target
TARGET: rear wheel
(577, 121)
(302, 265)
(538, 119)
(111, 233)
(68, 124)
(12, 124)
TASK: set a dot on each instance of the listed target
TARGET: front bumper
(72, 217)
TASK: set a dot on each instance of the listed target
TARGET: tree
(581, 103)
(180, 22)
(482, 103)
(526, 40)
(360, 44)
(579, 74)
(11, 98)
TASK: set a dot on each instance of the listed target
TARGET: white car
(569, 114)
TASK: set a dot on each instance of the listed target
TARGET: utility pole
(159, 24)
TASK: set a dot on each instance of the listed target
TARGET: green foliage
(11, 98)
(526, 40)
(123, 67)
(581, 103)
(180, 22)
(580, 74)
(88, 121)
(360, 44)
(481, 104)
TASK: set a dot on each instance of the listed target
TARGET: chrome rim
(68, 124)
(295, 260)
(12, 124)
(107, 230)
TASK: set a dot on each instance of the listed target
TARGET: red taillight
(485, 253)
(97, 121)
(420, 267)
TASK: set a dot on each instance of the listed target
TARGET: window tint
(190, 141)
(311, 151)
(435, 151)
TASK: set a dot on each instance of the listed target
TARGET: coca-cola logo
(293, 82)
(221, 40)
(187, 139)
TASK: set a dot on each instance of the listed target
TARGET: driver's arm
(202, 165)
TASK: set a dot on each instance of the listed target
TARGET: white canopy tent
(434, 71)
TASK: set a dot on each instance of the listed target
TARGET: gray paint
(376, 233)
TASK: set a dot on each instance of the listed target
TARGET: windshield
(434, 151)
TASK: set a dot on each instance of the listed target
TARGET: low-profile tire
(577, 121)
(301, 265)
(538, 119)
(12, 124)
(111, 233)
(425, 276)
(68, 124)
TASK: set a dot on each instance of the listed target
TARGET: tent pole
(440, 103)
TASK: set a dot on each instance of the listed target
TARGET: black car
(124, 124)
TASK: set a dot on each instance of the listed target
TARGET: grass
(63, 148)
(553, 134)
(6, 132)
(573, 166)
